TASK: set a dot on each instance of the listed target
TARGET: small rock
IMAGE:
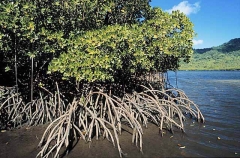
(27, 128)
(218, 138)
(3, 131)
(236, 153)
(213, 129)
(182, 147)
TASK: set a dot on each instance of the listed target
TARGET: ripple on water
(217, 93)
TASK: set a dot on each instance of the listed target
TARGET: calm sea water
(218, 95)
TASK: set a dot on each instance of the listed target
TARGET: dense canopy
(92, 40)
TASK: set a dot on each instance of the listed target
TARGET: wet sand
(19, 143)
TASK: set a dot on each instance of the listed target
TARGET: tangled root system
(102, 115)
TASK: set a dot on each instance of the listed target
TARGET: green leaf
(7, 69)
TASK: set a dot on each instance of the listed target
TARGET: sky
(215, 21)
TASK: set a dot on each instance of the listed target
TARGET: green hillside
(223, 57)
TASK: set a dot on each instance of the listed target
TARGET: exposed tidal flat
(216, 92)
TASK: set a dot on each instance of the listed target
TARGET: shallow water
(216, 92)
(218, 95)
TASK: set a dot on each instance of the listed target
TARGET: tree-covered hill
(223, 57)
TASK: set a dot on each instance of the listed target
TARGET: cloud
(186, 7)
(197, 42)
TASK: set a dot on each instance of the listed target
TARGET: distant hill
(201, 51)
(232, 45)
(223, 57)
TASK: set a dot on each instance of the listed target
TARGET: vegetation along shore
(92, 70)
